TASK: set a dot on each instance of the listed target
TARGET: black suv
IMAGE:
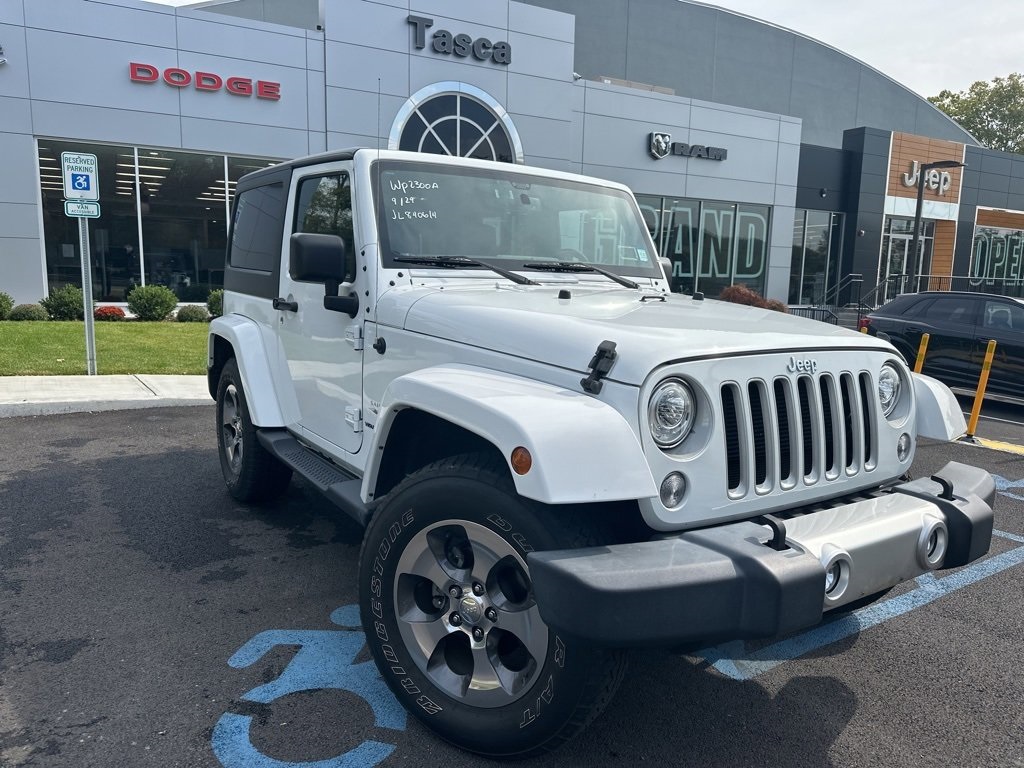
(960, 325)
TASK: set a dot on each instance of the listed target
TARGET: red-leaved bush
(741, 294)
(109, 313)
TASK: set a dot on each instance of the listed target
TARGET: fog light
(903, 447)
(832, 576)
(673, 488)
(838, 566)
(932, 543)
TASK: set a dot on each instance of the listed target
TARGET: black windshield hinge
(600, 365)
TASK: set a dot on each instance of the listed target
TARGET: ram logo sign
(660, 146)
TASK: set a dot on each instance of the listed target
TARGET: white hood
(532, 322)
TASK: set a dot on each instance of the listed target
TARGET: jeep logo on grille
(806, 365)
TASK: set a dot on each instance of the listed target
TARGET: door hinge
(354, 418)
(354, 336)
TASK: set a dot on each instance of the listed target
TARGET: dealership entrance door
(896, 257)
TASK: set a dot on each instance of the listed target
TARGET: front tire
(449, 614)
(250, 471)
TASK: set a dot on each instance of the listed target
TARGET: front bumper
(727, 582)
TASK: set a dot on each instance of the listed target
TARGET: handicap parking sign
(81, 176)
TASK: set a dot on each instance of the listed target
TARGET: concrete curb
(46, 395)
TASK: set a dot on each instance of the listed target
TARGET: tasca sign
(460, 45)
(660, 146)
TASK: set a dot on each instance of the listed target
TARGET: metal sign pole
(90, 327)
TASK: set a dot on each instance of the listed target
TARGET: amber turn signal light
(521, 460)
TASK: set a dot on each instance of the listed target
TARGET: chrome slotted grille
(806, 430)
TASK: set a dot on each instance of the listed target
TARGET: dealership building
(759, 156)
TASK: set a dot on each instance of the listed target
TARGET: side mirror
(317, 258)
(323, 259)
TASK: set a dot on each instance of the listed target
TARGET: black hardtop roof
(979, 294)
(253, 178)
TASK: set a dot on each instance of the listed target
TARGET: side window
(256, 231)
(325, 207)
(951, 310)
(918, 309)
(1003, 316)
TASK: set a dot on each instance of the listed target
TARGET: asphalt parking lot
(148, 619)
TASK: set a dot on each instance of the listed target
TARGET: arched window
(456, 119)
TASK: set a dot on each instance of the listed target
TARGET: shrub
(741, 294)
(6, 305)
(64, 303)
(112, 314)
(192, 313)
(152, 302)
(215, 302)
(28, 312)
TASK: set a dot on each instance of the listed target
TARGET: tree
(992, 112)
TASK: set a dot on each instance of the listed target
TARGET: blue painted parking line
(731, 659)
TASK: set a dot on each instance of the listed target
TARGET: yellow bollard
(921, 351)
(982, 383)
(864, 329)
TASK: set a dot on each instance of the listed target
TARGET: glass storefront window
(711, 245)
(183, 223)
(997, 261)
(178, 201)
(113, 237)
(816, 253)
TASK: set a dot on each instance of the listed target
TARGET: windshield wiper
(457, 262)
(579, 266)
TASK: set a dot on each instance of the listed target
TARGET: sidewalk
(43, 395)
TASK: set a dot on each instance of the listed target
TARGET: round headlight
(670, 413)
(888, 388)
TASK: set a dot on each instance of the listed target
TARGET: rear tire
(250, 471)
(514, 687)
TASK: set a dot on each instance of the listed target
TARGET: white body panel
(582, 449)
(253, 357)
(938, 411)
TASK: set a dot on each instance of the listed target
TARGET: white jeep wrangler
(554, 458)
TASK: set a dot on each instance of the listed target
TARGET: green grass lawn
(48, 348)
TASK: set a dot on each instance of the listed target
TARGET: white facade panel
(142, 23)
(75, 121)
(15, 72)
(244, 139)
(17, 115)
(366, 69)
(225, 40)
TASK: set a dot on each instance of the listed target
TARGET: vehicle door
(1003, 321)
(950, 322)
(321, 348)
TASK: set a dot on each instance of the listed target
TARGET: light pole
(912, 257)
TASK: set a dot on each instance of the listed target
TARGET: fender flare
(583, 449)
(938, 411)
(250, 353)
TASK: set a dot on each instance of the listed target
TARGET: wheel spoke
(485, 676)
(426, 566)
(428, 634)
(528, 628)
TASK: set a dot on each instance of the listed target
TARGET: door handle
(289, 306)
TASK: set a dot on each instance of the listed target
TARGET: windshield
(509, 219)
